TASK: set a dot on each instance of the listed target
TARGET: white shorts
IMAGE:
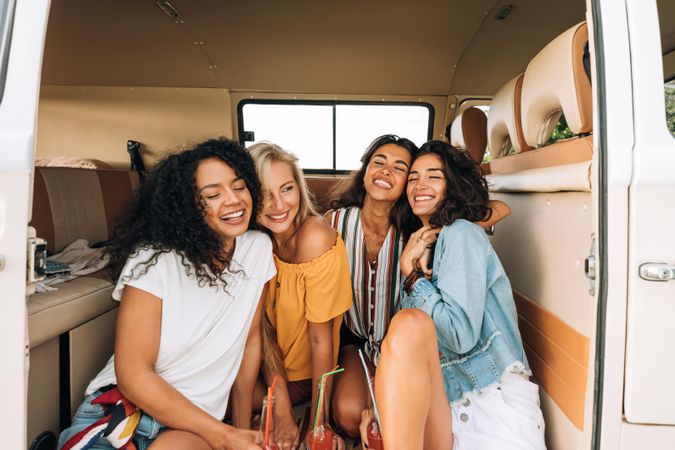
(503, 417)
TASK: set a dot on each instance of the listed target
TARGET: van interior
(145, 78)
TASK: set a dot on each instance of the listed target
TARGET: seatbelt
(134, 150)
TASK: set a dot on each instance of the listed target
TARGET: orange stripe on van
(558, 356)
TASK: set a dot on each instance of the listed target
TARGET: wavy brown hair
(466, 192)
(352, 193)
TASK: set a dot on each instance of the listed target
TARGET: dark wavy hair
(352, 193)
(167, 214)
(466, 193)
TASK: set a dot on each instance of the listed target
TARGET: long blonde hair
(264, 153)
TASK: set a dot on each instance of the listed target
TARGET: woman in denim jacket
(453, 359)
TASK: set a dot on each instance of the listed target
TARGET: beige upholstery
(69, 204)
(321, 187)
(568, 177)
(469, 133)
(555, 82)
(75, 302)
(568, 151)
(504, 124)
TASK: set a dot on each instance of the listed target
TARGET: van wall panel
(542, 245)
(96, 122)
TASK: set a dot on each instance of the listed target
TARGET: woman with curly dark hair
(476, 389)
(191, 275)
(374, 219)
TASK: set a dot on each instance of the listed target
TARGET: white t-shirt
(204, 329)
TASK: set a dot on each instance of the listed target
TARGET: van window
(561, 130)
(6, 20)
(667, 30)
(669, 89)
(331, 135)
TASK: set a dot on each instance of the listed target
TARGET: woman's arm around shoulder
(500, 210)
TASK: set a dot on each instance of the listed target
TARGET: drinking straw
(321, 386)
(370, 388)
(268, 412)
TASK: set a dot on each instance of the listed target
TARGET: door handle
(657, 272)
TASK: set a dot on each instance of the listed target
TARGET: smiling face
(225, 198)
(386, 173)
(281, 199)
(426, 186)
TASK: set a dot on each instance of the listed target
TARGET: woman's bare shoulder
(315, 237)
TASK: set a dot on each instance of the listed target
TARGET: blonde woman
(310, 293)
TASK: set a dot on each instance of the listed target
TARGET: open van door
(22, 31)
(649, 389)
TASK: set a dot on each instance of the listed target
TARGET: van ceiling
(430, 47)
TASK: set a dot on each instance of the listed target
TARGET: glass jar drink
(267, 424)
(374, 436)
(320, 439)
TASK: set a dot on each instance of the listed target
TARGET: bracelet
(412, 279)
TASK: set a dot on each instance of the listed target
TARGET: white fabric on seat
(567, 177)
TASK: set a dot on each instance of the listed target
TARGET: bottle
(267, 424)
(374, 436)
(321, 436)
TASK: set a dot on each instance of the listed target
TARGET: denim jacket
(471, 303)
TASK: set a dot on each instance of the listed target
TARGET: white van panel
(649, 387)
(17, 138)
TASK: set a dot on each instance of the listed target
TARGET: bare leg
(350, 392)
(411, 399)
(172, 439)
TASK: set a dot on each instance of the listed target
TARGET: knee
(410, 330)
(347, 415)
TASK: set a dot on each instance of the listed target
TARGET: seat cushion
(75, 302)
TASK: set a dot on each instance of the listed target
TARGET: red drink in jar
(375, 436)
(323, 440)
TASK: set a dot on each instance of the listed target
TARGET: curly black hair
(167, 215)
(352, 193)
(466, 194)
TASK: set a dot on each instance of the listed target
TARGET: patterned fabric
(375, 286)
(117, 426)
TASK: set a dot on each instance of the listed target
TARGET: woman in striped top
(374, 219)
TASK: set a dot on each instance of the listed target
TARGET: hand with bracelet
(415, 256)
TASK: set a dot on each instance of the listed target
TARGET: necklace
(282, 248)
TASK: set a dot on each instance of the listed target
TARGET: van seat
(75, 302)
(69, 204)
(505, 132)
(321, 187)
(469, 133)
(555, 82)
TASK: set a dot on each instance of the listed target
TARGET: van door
(649, 388)
(22, 31)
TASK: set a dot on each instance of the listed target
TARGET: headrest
(504, 126)
(469, 133)
(555, 81)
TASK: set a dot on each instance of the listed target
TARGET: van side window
(669, 91)
(667, 29)
(6, 20)
(330, 136)
(561, 130)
